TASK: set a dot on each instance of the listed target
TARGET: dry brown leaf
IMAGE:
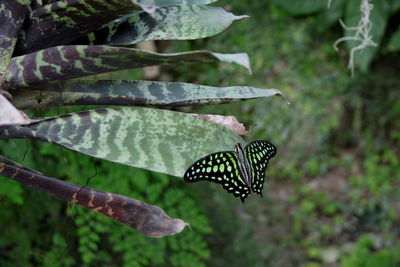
(9, 114)
(229, 122)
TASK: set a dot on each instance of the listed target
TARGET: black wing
(259, 153)
(221, 168)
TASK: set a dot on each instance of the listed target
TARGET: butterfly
(240, 172)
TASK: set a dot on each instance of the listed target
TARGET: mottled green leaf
(378, 18)
(147, 219)
(66, 62)
(100, 92)
(61, 22)
(167, 23)
(158, 140)
(12, 16)
(394, 43)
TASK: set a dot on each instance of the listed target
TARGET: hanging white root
(362, 33)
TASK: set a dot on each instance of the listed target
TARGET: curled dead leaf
(229, 122)
(9, 114)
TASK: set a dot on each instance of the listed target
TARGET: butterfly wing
(258, 154)
(221, 168)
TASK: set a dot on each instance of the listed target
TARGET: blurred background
(331, 196)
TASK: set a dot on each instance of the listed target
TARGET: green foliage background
(331, 194)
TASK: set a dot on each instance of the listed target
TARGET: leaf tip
(179, 225)
(282, 95)
(240, 17)
(241, 59)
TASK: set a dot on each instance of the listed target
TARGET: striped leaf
(158, 140)
(159, 3)
(61, 22)
(167, 23)
(162, 3)
(139, 93)
(66, 62)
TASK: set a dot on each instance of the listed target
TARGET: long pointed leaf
(66, 62)
(139, 93)
(147, 219)
(168, 23)
(158, 140)
(159, 3)
(14, 164)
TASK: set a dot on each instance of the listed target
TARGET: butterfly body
(243, 164)
(240, 172)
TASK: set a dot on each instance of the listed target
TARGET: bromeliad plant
(45, 45)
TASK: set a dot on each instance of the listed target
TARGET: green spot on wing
(222, 168)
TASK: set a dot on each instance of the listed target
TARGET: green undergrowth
(335, 178)
(48, 232)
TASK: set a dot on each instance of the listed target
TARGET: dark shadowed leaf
(394, 43)
(12, 16)
(139, 93)
(12, 163)
(66, 62)
(61, 22)
(147, 219)
(167, 23)
(158, 140)
(162, 3)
